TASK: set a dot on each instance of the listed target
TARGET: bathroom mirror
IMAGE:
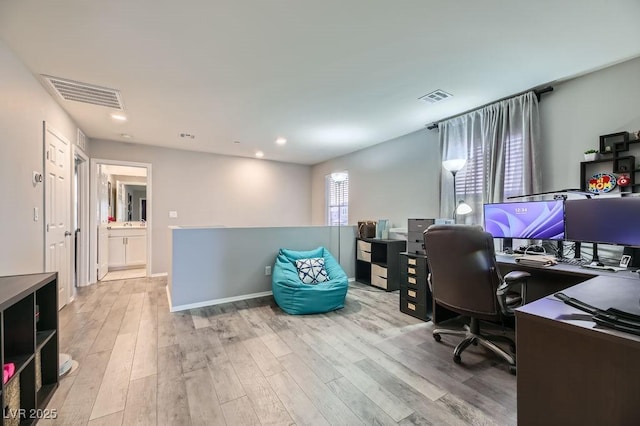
(131, 201)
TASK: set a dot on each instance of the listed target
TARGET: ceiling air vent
(70, 90)
(435, 96)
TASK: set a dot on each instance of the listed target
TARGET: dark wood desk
(572, 372)
(543, 282)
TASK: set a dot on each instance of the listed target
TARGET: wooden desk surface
(602, 292)
(572, 371)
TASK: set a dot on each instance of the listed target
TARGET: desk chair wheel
(512, 369)
(457, 359)
(437, 337)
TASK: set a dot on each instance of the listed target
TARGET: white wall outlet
(173, 214)
(36, 214)
(267, 270)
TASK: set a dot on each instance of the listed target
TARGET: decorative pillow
(312, 271)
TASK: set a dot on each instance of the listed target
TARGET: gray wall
(210, 264)
(24, 105)
(395, 180)
(579, 111)
(208, 189)
(399, 179)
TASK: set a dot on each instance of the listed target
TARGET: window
(473, 180)
(337, 197)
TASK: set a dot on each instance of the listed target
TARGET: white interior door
(58, 211)
(103, 223)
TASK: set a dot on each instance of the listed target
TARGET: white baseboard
(214, 301)
(159, 274)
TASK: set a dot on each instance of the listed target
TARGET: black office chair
(464, 278)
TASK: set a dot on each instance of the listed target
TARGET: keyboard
(572, 261)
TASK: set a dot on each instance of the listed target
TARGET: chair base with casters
(473, 336)
(509, 301)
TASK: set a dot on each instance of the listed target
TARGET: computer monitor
(604, 220)
(536, 220)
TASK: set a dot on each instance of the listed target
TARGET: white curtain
(500, 143)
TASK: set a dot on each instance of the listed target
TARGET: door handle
(67, 233)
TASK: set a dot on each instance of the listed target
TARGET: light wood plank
(204, 407)
(239, 412)
(315, 361)
(142, 402)
(173, 407)
(112, 395)
(263, 357)
(299, 406)
(331, 407)
(114, 419)
(275, 344)
(225, 380)
(130, 322)
(82, 395)
(264, 401)
(145, 359)
(358, 402)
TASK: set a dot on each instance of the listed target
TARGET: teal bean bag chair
(298, 298)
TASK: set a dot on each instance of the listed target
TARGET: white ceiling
(330, 76)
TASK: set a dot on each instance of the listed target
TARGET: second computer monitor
(536, 220)
(604, 220)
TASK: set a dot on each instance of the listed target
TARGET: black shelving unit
(29, 339)
(377, 262)
(621, 164)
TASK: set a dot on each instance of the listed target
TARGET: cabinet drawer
(364, 246)
(363, 255)
(419, 225)
(412, 261)
(379, 281)
(418, 310)
(378, 270)
(419, 271)
(411, 294)
(417, 248)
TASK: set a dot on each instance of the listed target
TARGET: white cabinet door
(136, 250)
(117, 252)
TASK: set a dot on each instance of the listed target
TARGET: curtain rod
(537, 92)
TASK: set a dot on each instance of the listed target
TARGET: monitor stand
(576, 250)
(560, 247)
(595, 257)
(507, 245)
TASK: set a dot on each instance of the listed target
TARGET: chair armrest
(512, 279)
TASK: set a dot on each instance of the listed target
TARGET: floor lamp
(338, 179)
(459, 207)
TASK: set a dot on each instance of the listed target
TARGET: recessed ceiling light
(259, 154)
(125, 135)
(119, 117)
(281, 141)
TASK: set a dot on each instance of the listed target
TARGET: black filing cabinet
(415, 239)
(415, 295)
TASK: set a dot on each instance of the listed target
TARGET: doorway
(80, 221)
(120, 237)
(57, 210)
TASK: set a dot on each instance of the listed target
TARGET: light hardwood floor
(249, 363)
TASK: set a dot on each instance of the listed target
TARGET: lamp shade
(339, 176)
(454, 165)
(463, 208)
